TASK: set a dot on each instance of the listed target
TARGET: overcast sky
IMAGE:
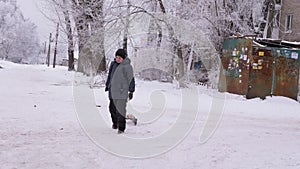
(31, 10)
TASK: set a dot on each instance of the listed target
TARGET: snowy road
(39, 128)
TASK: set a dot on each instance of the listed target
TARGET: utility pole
(49, 48)
(55, 48)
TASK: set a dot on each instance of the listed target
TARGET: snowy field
(40, 127)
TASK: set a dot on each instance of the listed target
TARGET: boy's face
(119, 59)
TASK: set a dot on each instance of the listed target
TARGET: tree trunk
(177, 45)
(155, 30)
(55, 47)
(101, 32)
(217, 15)
(189, 66)
(81, 27)
(180, 62)
(125, 36)
(90, 28)
(269, 24)
(70, 39)
(49, 49)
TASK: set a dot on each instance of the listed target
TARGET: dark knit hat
(121, 53)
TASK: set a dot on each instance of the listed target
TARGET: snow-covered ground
(41, 126)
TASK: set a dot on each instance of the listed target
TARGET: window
(289, 23)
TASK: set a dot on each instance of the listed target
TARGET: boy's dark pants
(117, 109)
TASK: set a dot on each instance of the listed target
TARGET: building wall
(290, 7)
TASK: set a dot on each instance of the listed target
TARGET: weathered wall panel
(260, 81)
(235, 62)
(286, 73)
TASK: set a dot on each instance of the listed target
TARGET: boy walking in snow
(120, 85)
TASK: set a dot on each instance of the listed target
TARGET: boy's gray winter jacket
(120, 79)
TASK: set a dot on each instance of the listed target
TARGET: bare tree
(63, 12)
(95, 20)
(89, 21)
(18, 37)
(155, 33)
(69, 36)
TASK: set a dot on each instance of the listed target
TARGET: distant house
(290, 19)
(283, 18)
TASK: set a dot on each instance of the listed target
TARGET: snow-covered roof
(277, 43)
(269, 42)
(295, 43)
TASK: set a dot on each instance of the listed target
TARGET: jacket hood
(126, 61)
